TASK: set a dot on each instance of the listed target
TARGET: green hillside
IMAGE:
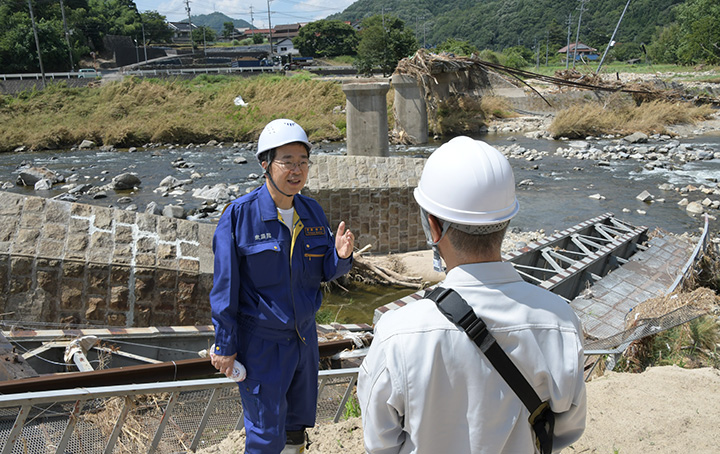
(498, 24)
(216, 20)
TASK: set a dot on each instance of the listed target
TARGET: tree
(457, 47)
(326, 38)
(156, 29)
(626, 51)
(384, 41)
(665, 45)
(517, 57)
(699, 21)
(203, 34)
(228, 30)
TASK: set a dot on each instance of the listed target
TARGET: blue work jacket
(267, 278)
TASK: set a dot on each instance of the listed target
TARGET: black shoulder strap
(458, 311)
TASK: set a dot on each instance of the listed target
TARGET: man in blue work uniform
(273, 248)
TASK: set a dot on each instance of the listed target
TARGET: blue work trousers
(280, 391)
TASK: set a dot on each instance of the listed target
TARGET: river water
(557, 198)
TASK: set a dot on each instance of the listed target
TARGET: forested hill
(216, 21)
(498, 24)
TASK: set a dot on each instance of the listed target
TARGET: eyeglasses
(290, 165)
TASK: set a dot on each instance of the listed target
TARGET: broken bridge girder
(583, 253)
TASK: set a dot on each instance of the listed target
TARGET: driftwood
(387, 276)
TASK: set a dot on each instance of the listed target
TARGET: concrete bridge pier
(367, 121)
(410, 109)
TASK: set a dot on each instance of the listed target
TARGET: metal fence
(167, 417)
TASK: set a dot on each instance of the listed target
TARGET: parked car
(88, 73)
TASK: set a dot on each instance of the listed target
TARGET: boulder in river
(694, 208)
(218, 193)
(636, 137)
(86, 145)
(31, 175)
(152, 208)
(174, 211)
(125, 181)
(43, 185)
(645, 197)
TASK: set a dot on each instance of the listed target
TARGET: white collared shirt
(425, 387)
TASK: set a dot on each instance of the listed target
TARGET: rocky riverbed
(198, 187)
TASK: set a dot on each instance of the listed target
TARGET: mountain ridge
(498, 24)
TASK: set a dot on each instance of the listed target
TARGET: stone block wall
(373, 195)
(74, 263)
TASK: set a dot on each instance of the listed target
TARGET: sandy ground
(663, 410)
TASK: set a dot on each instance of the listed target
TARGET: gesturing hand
(344, 241)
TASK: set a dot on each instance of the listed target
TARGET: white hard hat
(281, 132)
(466, 181)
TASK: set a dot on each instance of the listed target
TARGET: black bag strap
(458, 311)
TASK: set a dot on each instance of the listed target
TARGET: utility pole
(577, 35)
(270, 30)
(385, 41)
(547, 46)
(142, 25)
(537, 56)
(567, 48)
(252, 24)
(37, 43)
(424, 36)
(67, 35)
(192, 41)
(204, 43)
(612, 38)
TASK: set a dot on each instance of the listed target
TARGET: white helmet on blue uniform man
(278, 133)
(467, 185)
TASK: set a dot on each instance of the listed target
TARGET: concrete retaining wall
(74, 263)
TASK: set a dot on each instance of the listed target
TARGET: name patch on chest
(315, 231)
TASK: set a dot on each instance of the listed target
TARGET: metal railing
(39, 76)
(166, 417)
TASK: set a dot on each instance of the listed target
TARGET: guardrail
(39, 76)
(179, 71)
(158, 418)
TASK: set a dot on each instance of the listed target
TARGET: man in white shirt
(425, 386)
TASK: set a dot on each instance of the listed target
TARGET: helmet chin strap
(437, 263)
(269, 177)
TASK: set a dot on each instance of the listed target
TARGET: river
(555, 193)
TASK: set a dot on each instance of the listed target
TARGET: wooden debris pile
(445, 81)
(366, 271)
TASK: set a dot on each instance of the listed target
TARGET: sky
(281, 11)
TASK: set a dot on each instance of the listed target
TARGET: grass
(691, 345)
(352, 407)
(138, 111)
(623, 117)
